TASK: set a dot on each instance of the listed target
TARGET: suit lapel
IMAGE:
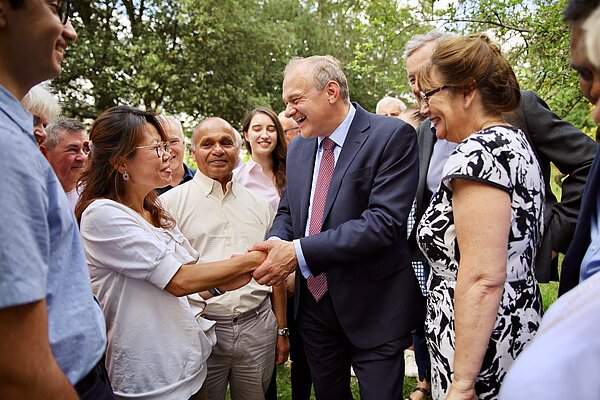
(354, 140)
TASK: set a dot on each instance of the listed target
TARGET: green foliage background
(201, 58)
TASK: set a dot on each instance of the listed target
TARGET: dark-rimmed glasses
(64, 7)
(161, 148)
(426, 95)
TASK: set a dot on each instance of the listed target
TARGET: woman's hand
(461, 394)
(258, 257)
(236, 283)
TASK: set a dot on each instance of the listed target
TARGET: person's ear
(44, 150)
(121, 166)
(333, 91)
(469, 97)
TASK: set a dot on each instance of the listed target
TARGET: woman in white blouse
(264, 172)
(141, 266)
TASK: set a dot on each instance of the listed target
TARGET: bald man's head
(214, 148)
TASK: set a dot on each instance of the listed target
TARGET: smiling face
(414, 62)
(309, 107)
(174, 131)
(589, 76)
(215, 151)
(146, 170)
(33, 43)
(445, 109)
(68, 158)
(262, 135)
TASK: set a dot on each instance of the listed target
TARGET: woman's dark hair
(279, 152)
(474, 61)
(114, 136)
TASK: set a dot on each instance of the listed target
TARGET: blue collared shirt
(590, 264)
(41, 256)
(339, 137)
(440, 154)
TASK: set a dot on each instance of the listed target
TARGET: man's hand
(280, 262)
(282, 350)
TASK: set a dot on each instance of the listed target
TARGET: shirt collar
(209, 185)
(253, 165)
(340, 133)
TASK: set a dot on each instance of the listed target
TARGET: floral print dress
(499, 156)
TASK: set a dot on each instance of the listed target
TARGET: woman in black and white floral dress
(482, 229)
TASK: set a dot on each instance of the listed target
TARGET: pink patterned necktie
(318, 284)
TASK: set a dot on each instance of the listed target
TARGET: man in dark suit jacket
(575, 13)
(553, 140)
(366, 315)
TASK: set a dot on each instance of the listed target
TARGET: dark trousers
(301, 380)
(95, 385)
(380, 370)
(300, 375)
(421, 354)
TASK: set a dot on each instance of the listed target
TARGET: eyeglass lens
(63, 11)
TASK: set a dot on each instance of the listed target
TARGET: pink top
(251, 175)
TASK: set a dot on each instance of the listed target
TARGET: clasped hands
(280, 262)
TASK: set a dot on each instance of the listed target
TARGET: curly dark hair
(113, 137)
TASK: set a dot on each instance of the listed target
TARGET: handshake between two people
(272, 262)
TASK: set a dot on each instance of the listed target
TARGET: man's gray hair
(387, 100)
(325, 69)
(60, 127)
(419, 41)
(41, 102)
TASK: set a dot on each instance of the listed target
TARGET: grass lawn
(284, 391)
(549, 293)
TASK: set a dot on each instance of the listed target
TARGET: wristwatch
(215, 292)
(285, 332)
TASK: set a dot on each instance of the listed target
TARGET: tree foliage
(209, 57)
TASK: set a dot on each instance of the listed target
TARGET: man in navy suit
(356, 293)
(583, 259)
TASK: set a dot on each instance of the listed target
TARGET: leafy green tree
(209, 57)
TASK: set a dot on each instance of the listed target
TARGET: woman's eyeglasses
(426, 95)
(161, 148)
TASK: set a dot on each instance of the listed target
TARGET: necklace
(487, 124)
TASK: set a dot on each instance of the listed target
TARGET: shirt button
(235, 319)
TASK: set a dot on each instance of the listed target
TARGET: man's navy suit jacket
(571, 265)
(362, 247)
